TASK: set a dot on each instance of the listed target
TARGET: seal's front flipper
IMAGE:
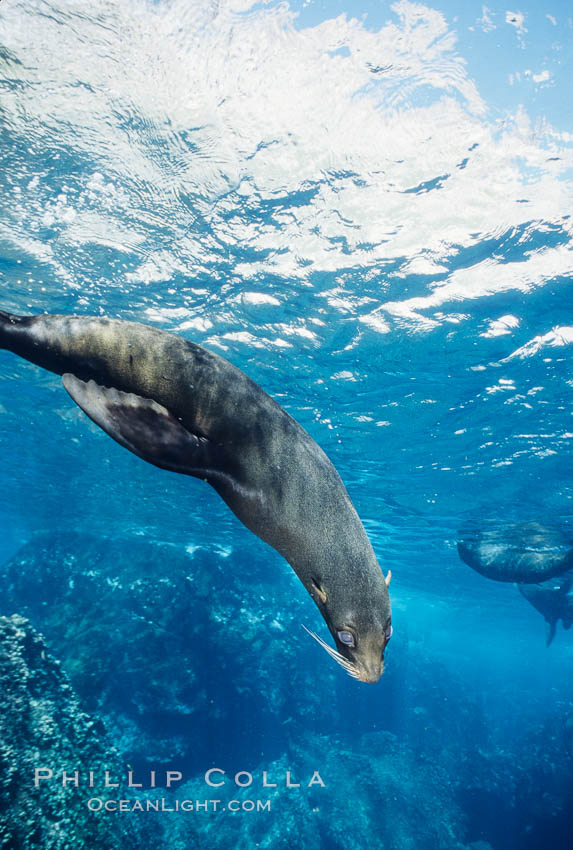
(143, 426)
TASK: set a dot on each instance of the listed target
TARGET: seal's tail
(6, 321)
(9, 326)
(9, 319)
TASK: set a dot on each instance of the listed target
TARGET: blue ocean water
(367, 208)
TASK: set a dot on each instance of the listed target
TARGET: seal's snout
(368, 656)
(372, 672)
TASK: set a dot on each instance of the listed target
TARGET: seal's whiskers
(340, 659)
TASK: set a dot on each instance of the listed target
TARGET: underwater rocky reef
(162, 643)
(41, 724)
(176, 664)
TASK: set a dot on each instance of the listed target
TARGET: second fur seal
(180, 407)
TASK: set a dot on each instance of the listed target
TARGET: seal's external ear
(388, 578)
(319, 592)
(143, 426)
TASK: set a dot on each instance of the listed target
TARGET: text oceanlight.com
(97, 804)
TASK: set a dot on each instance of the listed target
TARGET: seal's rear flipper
(550, 632)
(143, 426)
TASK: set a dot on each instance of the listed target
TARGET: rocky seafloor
(169, 661)
(42, 724)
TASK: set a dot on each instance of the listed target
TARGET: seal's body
(523, 552)
(185, 409)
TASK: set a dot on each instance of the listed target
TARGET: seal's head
(361, 626)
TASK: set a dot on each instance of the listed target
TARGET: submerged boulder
(42, 727)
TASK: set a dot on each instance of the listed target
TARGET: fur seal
(524, 552)
(185, 409)
(554, 601)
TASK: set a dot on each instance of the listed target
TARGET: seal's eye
(389, 631)
(346, 637)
